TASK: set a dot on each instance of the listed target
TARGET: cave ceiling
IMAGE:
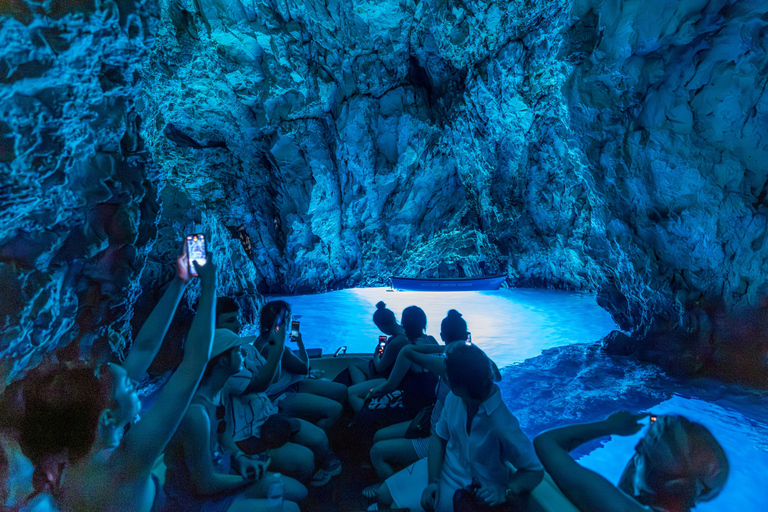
(617, 147)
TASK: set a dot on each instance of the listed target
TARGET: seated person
(294, 394)
(453, 327)
(315, 400)
(475, 421)
(254, 425)
(414, 322)
(378, 366)
(74, 422)
(391, 448)
(197, 476)
(676, 465)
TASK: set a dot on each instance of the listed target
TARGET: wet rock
(569, 144)
(76, 220)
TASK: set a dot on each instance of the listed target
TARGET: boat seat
(332, 366)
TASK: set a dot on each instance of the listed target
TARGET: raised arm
(390, 354)
(152, 333)
(147, 439)
(275, 345)
(421, 355)
(585, 488)
(293, 363)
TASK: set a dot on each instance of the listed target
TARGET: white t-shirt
(495, 437)
(246, 413)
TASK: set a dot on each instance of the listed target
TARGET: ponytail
(453, 327)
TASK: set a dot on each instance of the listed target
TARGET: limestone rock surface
(615, 146)
(612, 146)
(78, 200)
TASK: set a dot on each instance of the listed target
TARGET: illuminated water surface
(514, 325)
(510, 325)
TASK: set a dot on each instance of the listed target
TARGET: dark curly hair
(61, 411)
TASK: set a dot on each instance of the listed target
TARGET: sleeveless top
(178, 480)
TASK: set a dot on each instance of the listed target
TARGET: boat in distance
(448, 284)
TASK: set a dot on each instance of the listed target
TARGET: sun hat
(224, 339)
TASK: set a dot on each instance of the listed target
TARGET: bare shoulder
(195, 420)
(83, 489)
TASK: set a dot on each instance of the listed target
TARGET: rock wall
(78, 200)
(612, 146)
(356, 141)
(669, 102)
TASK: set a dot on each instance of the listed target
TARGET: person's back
(84, 488)
(177, 475)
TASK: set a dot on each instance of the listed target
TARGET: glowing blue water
(569, 384)
(510, 325)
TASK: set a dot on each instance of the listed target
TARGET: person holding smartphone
(256, 425)
(74, 423)
(409, 332)
(198, 477)
(677, 464)
(315, 400)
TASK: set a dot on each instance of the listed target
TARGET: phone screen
(381, 345)
(294, 329)
(195, 251)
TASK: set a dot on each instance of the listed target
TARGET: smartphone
(381, 345)
(195, 251)
(294, 329)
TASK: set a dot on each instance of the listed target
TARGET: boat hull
(461, 284)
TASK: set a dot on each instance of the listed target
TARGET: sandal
(370, 491)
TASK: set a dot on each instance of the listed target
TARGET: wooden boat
(448, 284)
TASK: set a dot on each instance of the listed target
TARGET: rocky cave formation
(614, 146)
